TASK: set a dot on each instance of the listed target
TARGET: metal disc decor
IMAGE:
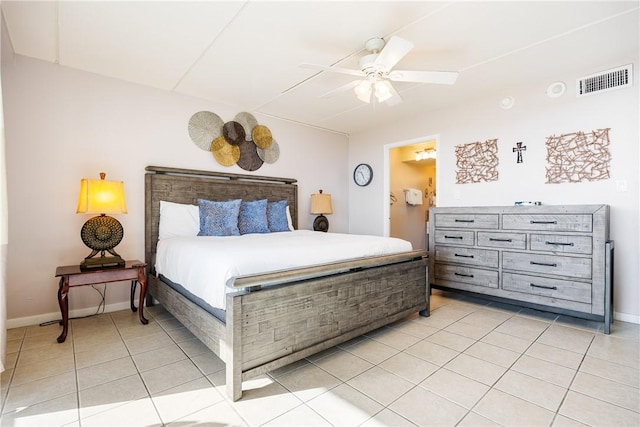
(241, 141)
(248, 122)
(233, 132)
(271, 153)
(204, 127)
(225, 153)
(249, 158)
(262, 136)
(101, 233)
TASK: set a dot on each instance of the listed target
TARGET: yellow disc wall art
(225, 153)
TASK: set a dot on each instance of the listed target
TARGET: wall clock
(363, 174)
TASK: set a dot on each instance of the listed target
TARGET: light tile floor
(471, 363)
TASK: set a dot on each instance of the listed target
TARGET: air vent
(605, 81)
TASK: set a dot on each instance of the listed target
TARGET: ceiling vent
(604, 81)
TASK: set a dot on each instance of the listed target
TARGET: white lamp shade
(321, 204)
(98, 196)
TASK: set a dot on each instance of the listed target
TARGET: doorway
(411, 178)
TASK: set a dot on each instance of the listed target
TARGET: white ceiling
(247, 53)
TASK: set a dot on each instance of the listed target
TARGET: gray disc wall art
(248, 122)
(271, 153)
(204, 127)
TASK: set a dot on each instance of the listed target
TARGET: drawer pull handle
(491, 239)
(559, 243)
(465, 220)
(553, 288)
(452, 237)
(463, 275)
(463, 256)
(545, 264)
(542, 222)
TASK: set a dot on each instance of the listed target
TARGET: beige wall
(63, 125)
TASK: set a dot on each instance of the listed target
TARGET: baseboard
(629, 318)
(48, 317)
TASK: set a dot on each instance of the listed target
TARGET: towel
(413, 196)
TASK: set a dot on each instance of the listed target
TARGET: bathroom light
(426, 154)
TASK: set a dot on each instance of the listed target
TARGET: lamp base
(101, 262)
(101, 234)
(321, 223)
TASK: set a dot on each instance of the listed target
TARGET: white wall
(63, 125)
(533, 118)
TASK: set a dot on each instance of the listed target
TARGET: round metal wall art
(241, 141)
(270, 154)
(249, 158)
(262, 136)
(204, 127)
(248, 122)
(233, 132)
(225, 153)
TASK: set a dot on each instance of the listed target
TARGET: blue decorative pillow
(219, 218)
(277, 216)
(253, 217)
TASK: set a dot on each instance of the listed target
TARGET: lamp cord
(102, 304)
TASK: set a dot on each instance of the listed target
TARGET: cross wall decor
(519, 148)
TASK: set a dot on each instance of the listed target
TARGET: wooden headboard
(187, 186)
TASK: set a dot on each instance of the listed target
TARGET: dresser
(553, 258)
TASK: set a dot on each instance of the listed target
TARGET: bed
(272, 319)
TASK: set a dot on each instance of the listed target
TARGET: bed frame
(278, 318)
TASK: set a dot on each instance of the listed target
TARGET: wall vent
(605, 81)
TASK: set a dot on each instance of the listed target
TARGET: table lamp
(320, 205)
(101, 233)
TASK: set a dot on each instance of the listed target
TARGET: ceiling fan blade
(395, 49)
(437, 77)
(333, 69)
(342, 88)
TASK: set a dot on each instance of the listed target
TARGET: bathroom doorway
(412, 190)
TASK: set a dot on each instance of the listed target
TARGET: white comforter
(206, 266)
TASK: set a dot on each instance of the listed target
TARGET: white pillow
(289, 220)
(178, 220)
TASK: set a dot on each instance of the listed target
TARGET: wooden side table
(71, 276)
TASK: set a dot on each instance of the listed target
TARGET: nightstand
(71, 276)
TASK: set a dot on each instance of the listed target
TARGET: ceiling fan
(376, 71)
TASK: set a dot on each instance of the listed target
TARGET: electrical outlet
(621, 185)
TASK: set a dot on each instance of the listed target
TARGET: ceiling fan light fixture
(363, 91)
(383, 91)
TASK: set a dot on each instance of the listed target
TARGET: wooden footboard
(275, 326)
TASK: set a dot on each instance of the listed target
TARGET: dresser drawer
(457, 237)
(458, 255)
(552, 288)
(467, 220)
(554, 222)
(561, 243)
(473, 276)
(547, 264)
(502, 240)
